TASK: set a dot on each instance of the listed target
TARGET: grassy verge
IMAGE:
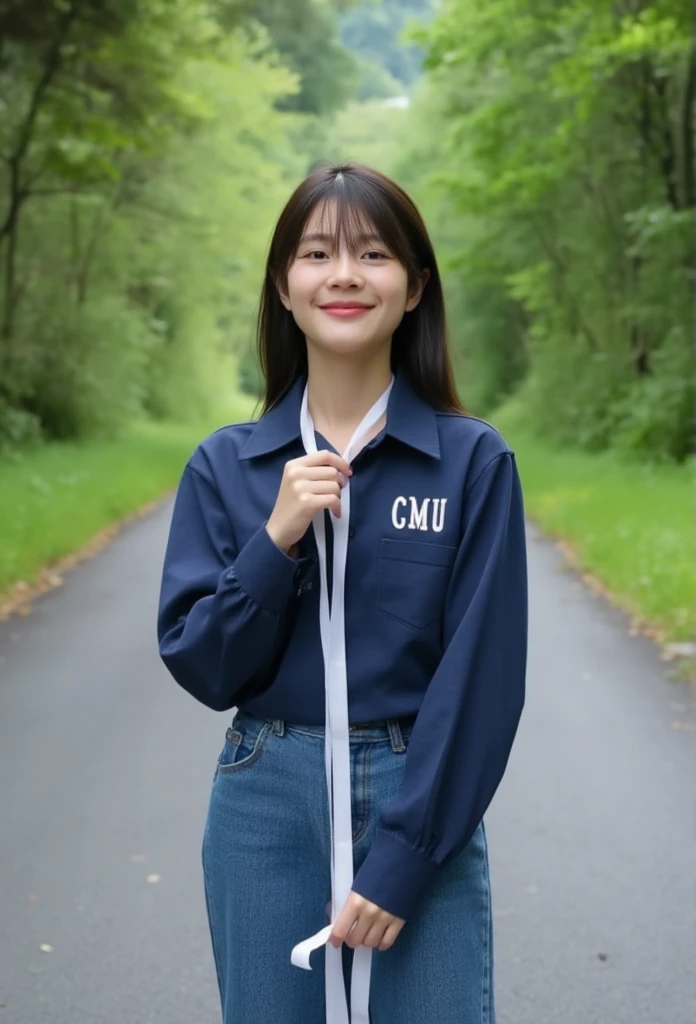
(55, 499)
(628, 524)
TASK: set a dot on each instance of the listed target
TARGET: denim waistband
(369, 732)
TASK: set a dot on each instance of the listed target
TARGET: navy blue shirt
(435, 611)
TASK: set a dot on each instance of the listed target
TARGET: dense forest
(553, 146)
(147, 146)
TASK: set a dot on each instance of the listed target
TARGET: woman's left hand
(362, 923)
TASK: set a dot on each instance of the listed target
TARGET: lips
(346, 305)
(345, 309)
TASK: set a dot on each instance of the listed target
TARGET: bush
(90, 368)
(655, 417)
(567, 397)
(18, 429)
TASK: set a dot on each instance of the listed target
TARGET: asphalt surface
(105, 768)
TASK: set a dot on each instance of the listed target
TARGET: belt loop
(396, 737)
(279, 727)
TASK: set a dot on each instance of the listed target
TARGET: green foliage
(374, 31)
(90, 370)
(655, 418)
(147, 159)
(553, 153)
(630, 524)
(304, 34)
(148, 147)
(365, 133)
(19, 429)
(375, 82)
(54, 499)
(250, 378)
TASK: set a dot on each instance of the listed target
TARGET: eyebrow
(319, 237)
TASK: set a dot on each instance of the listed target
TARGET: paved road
(105, 769)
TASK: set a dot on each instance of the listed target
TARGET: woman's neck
(340, 393)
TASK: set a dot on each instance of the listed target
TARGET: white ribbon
(337, 743)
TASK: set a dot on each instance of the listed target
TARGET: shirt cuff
(265, 573)
(394, 875)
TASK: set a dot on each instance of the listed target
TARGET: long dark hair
(360, 195)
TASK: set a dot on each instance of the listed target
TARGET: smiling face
(346, 295)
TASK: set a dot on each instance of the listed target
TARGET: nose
(346, 272)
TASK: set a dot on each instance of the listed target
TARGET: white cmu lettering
(419, 516)
(422, 510)
(401, 521)
(439, 514)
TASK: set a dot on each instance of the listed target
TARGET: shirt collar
(410, 419)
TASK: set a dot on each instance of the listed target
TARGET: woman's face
(346, 302)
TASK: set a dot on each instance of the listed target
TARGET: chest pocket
(413, 579)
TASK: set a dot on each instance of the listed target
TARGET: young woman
(349, 572)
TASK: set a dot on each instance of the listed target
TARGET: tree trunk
(18, 190)
(685, 135)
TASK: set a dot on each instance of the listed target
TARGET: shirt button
(351, 533)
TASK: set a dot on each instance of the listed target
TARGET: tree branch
(564, 294)
(18, 192)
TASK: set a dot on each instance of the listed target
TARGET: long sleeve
(222, 611)
(463, 735)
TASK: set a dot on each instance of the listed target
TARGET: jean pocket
(244, 743)
(413, 580)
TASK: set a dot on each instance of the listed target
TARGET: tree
(118, 279)
(374, 31)
(304, 36)
(567, 159)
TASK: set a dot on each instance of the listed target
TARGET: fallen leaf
(153, 879)
(45, 948)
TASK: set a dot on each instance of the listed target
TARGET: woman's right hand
(309, 485)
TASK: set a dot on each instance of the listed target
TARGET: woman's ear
(416, 293)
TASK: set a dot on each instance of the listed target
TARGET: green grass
(54, 499)
(630, 524)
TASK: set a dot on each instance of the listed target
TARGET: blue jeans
(267, 884)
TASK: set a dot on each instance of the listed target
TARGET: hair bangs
(354, 211)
